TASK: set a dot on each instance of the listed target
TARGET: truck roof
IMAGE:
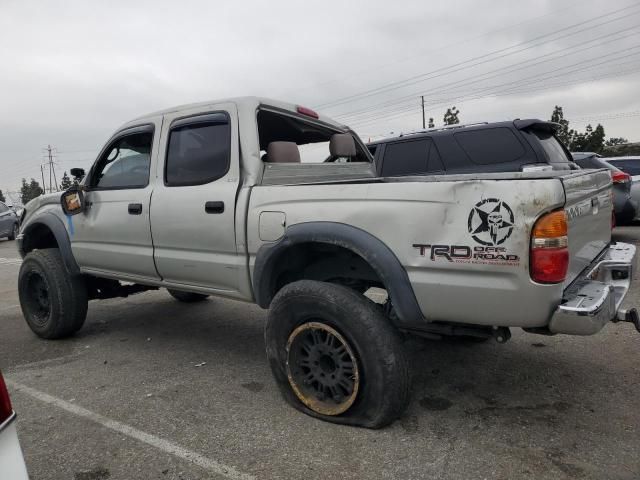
(520, 124)
(250, 102)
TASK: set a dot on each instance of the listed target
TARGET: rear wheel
(336, 356)
(187, 297)
(14, 232)
(54, 302)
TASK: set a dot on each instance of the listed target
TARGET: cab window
(125, 163)
(199, 150)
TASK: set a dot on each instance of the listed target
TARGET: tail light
(5, 403)
(307, 111)
(549, 248)
(620, 177)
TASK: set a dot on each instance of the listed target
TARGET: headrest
(283, 152)
(342, 145)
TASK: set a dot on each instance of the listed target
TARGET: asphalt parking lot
(154, 389)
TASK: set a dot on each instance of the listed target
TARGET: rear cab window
(311, 139)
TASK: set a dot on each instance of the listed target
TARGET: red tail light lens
(5, 402)
(549, 265)
(549, 259)
(620, 177)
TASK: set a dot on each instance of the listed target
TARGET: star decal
(492, 223)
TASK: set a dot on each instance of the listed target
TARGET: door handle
(135, 208)
(214, 207)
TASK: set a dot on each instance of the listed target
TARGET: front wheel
(54, 303)
(336, 356)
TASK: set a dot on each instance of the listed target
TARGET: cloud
(73, 71)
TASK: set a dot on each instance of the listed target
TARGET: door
(112, 235)
(6, 220)
(193, 206)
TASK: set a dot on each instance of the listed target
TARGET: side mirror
(72, 201)
(77, 173)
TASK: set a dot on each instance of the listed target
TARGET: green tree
(65, 182)
(592, 140)
(564, 134)
(29, 191)
(2, 199)
(595, 139)
(613, 141)
(451, 116)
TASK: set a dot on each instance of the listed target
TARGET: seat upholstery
(342, 145)
(283, 152)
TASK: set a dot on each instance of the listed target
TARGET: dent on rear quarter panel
(436, 213)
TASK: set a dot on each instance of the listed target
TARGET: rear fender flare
(375, 252)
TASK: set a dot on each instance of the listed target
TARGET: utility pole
(424, 125)
(52, 171)
(44, 185)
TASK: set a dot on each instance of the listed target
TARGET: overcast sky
(73, 71)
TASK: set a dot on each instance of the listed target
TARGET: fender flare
(55, 225)
(375, 252)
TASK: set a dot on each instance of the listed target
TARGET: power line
(463, 64)
(515, 90)
(504, 70)
(519, 87)
(495, 90)
(378, 67)
(541, 76)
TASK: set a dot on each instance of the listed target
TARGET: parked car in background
(625, 204)
(9, 222)
(631, 166)
(12, 465)
(514, 146)
(16, 208)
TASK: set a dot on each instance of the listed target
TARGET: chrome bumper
(594, 299)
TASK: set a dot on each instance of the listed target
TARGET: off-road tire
(14, 232)
(383, 372)
(187, 297)
(66, 295)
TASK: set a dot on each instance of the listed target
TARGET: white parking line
(10, 261)
(157, 442)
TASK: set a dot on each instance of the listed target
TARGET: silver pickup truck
(267, 202)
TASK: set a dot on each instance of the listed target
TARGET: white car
(11, 460)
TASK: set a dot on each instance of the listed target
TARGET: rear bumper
(594, 299)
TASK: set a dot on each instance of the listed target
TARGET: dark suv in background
(513, 146)
(624, 205)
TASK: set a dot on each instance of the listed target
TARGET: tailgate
(588, 207)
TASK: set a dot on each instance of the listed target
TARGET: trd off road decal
(490, 224)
